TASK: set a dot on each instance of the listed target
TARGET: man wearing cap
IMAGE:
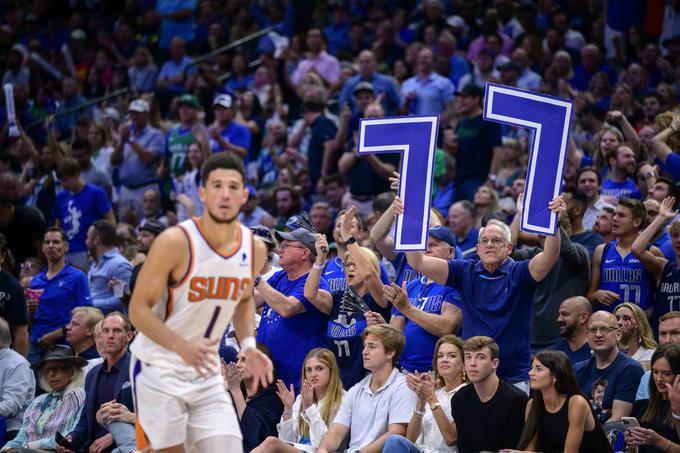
(426, 310)
(137, 154)
(428, 93)
(381, 84)
(479, 144)
(226, 134)
(184, 133)
(145, 237)
(291, 325)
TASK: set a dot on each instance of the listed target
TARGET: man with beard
(572, 320)
(619, 183)
(197, 278)
(603, 224)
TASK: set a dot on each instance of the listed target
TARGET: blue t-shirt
(498, 305)
(290, 339)
(403, 271)
(667, 297)
(64, 292)
(234, 133)
(77, 212)
(419, 347)
(623, 377)
(334, 273)
(171, 27)
(665, 244)
(581, 354)
(343, 337)
(626, 189)
(626, 277)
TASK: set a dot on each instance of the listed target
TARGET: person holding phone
(659, 415)
(558, 416)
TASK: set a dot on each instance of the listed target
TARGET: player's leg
(220, 443)
(175, 449)
(274, 445)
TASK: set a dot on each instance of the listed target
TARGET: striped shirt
(48, 414)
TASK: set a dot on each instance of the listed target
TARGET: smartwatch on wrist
(350, 241)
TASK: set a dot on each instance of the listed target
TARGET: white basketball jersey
(202, 303)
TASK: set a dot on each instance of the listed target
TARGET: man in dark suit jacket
(107, 421)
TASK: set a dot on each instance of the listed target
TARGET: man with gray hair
(17, 383)
(497, 292)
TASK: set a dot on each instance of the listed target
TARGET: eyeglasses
(496, 242)
(290, 246)
(349, 264)
(604, 330)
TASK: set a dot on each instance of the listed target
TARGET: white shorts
(174, 407)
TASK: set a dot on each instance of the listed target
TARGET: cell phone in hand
(630, 422)
(62, 441)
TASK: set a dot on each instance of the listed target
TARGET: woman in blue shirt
(347, 308)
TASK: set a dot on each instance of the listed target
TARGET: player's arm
(331, 441)
(162, 264)
(243, 319)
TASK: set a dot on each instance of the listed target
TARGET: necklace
(556, 404)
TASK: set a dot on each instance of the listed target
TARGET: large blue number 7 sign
(550, 120)
(415, 137)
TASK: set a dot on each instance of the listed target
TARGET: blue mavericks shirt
(62, 293)
(77, 212)
(343, 337)
(627, 189)
(290, 339)
(667, 297)
(626, 277)
(403, 271)
(420, 343)
(334, 273)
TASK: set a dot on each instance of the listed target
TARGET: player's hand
(101, 444)
(606, 297)
(557, 205)
(373, 318)
(307, 394)
(286, 396)
(260, 368)
(199, 355)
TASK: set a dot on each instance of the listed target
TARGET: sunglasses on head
(263, 232)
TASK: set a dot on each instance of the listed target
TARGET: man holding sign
(497, 291)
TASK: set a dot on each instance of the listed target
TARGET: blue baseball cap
(443, 234)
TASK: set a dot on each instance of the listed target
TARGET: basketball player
(197, 277)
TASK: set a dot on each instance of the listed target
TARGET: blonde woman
(306, 418)
(431, 427)
(637, 339)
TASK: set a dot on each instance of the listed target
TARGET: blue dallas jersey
(626, 277)
(420, 343)
(290, 339)
(334, 272)
(627, 189)
(667, 297)
(403, 271)
(343, 337)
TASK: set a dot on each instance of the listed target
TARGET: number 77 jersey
(202, 303)
(626, 277)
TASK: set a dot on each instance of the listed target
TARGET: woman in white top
(431, 427)
(637, 339)
(306, 418)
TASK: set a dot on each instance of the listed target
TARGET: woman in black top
(658, 416)
(558, 416)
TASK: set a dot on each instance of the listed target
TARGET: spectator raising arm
(320, 298)
(541, 264)
(654, 264)
(664, 153)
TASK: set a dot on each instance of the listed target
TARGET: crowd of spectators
(119, 103)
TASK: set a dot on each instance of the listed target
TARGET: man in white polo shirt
(380, 404)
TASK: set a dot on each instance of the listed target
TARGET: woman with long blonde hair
(637, 339)
(306, 418)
